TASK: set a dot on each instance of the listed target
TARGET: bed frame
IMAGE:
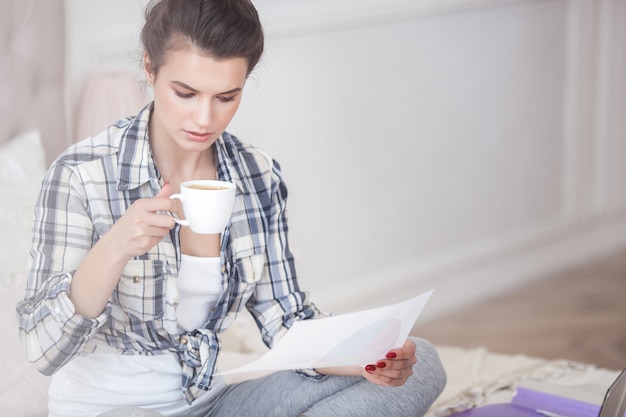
(32, 71)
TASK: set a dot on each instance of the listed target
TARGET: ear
(147, 69)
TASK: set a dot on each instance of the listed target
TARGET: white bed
(33, 131)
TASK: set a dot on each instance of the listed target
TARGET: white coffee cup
(207, 205)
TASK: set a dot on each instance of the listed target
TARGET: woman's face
(195, 97)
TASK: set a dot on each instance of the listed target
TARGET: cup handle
(182, 222)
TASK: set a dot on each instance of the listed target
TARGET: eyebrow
(183, 85)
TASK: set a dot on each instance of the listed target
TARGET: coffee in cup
(207, 205)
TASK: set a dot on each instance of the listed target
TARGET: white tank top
(199, 288)
(91, 384)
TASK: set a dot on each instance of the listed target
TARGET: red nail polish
(392, 355)
(370, 368)
(381, 365)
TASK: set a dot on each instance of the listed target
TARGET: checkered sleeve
(49, 329)
(277, 300)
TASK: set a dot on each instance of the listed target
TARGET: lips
(198, 136)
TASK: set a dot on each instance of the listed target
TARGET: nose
(202, 113)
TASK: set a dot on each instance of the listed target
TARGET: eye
(226, 99)
(183, 95)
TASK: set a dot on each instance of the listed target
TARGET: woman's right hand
(143, 225)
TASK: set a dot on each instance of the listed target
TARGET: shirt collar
(231, 165)
(135, 164)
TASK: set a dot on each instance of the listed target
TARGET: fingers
(151, 214)
(145, 223)
(395, 369)
(395, 364)
(160, 202)
(389, 379)
(166, 191)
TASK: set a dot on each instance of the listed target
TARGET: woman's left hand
(395, 369)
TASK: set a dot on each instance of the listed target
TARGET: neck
(177, 165)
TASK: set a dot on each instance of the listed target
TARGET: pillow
(22, 162)
(16, 222)
(23, 390)
(22, 166)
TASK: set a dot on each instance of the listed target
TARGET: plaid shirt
(87, 189)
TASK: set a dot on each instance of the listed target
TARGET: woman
(124, 307)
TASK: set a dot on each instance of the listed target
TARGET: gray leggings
(286, 394)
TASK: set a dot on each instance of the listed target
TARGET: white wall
(469, 146)
(102, 35)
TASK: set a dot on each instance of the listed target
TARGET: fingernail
(392, 355)
(370, 368)
(381, 365)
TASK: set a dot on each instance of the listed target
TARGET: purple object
(498, 410)
(530, 403)
(562, 406)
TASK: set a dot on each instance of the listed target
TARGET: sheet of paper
(359, 338)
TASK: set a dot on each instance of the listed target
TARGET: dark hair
(220, 28)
